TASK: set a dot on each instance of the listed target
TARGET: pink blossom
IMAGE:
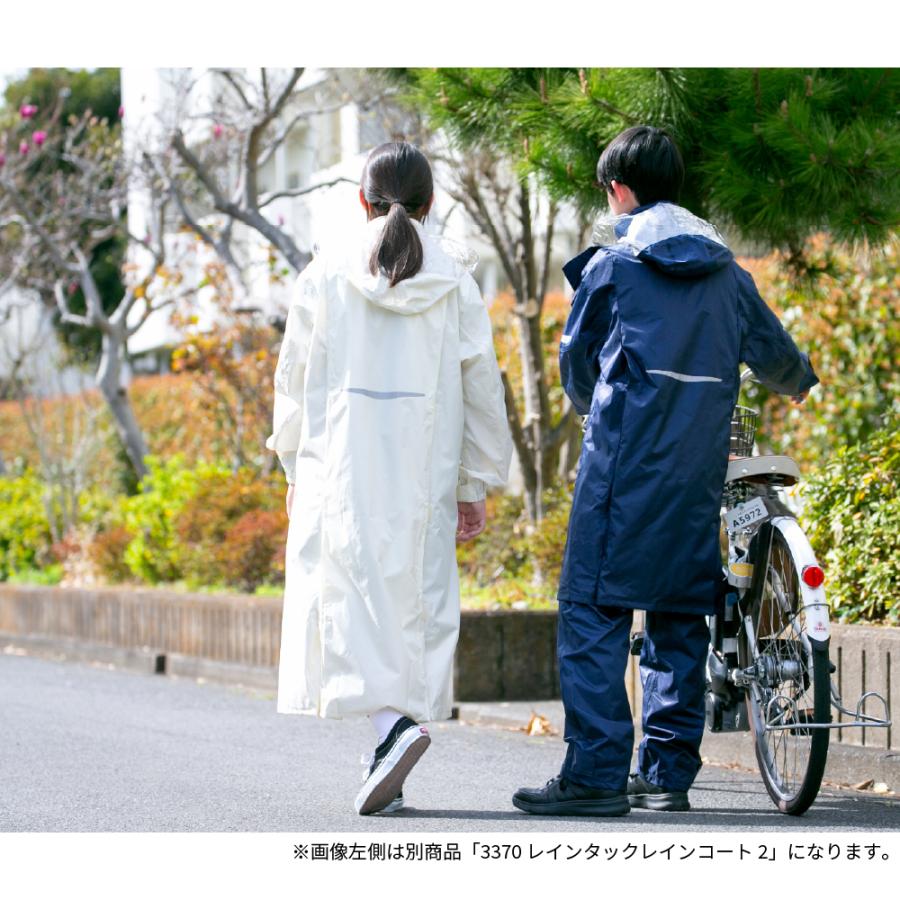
(27, 110)
(73, 286)
(2, 160)
(121, 112)
(217, 130)
(23, 147)
(39, 137)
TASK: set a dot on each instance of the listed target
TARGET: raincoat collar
(666, 236)
(437, 277)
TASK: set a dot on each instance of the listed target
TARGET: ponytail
(396, 183)
(398, 252)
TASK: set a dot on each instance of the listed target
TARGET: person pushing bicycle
(661, 319)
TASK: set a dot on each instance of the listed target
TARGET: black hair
(397, 183)
(647, 160)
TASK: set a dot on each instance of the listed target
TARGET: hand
(797, 399)
(470, 520)
(290, 499)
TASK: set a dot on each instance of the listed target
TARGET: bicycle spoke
(787, 684)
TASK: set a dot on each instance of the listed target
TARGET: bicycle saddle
(778, 469)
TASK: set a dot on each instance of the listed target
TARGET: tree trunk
(108, 379)
(569, 448)
(238, 457)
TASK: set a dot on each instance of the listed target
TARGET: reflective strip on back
(383, 395)
(680, 376)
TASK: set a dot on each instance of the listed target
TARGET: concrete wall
(228, 628)
(501, 655)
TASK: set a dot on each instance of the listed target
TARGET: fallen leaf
(539, 726)
(863, 785)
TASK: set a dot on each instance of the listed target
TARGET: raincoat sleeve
(287, 415)
(585, 334)
(766, 347)
(487, 445)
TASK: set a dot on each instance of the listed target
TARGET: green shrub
(513, 561)
(247, 555)
(51, 574)
(180, 522)
(107, 553)
(853, 514)
(544, 547)
(494, 554)
(220, 500)
(845, 312)
(154, 554)
(25, 536)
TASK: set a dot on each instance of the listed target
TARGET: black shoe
(561, 797)
(644, 795)
(395, 805)
(394, 758)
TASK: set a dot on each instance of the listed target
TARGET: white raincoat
(388, 409)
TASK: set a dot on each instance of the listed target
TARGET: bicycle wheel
(790, 680)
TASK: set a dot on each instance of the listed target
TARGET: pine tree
(773, 154)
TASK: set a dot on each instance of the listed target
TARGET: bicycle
(768, 670)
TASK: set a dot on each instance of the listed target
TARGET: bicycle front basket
(743, 431)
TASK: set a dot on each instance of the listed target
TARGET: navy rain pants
(593, 645)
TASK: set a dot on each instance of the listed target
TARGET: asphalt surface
(90, 748)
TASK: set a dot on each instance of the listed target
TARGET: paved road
(86, 748)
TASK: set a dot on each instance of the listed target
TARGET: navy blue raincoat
(660, 321)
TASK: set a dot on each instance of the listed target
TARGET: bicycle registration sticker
(746, 514)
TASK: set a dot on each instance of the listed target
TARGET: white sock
(383, 721)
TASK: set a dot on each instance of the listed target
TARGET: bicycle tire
(794, 683)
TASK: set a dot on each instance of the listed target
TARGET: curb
(847, 765)
(137, 659)
(146, 660)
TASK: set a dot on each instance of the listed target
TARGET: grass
(48, 575)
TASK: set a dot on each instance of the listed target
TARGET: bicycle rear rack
(787, 705)
(861, 720)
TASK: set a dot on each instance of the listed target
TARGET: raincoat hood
(670, 238)
(440, 273)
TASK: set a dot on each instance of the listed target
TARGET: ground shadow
(830, 812)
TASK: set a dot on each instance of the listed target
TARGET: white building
(30, 351)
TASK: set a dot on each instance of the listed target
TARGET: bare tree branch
(265, 88)
(266, 199)
(64, 313)
(202, 172)
(269, 151)
(253, 145)
(230, 77)
(249, 216)
(524, 450)
(151, 308)
(552, 212)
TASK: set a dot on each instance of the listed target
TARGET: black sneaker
(394, 758)
(561, 797)
(644, 795)
(395, 805)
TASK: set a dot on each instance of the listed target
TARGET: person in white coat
(390, 423)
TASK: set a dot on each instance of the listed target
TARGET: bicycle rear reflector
(813, 576)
